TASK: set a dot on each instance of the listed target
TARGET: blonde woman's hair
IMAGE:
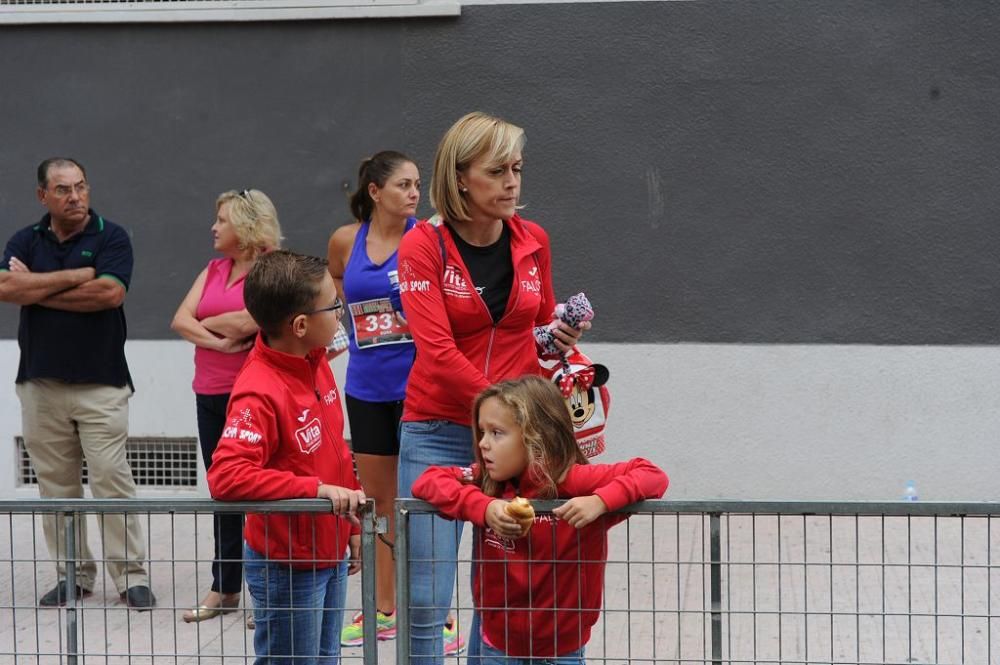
(254, 219)
(540, 411)
(475, 136)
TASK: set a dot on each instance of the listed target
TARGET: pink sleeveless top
(214, 371)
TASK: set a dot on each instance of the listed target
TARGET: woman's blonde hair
(475, 136)
(254, 219)
(540, 411)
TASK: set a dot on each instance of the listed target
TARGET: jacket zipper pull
(318, 398)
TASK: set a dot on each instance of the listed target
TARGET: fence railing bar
(71, 643)
(160, 506)
(829, 535)
(652, 576)
(680, 602)
(704, 569)
(728, 628)
(805, 583)
(936, 592)
(628, 592)
(909, 589)
(401, 550)
(715, 533)
(369, 529)
(780, 594)
(771, 507)
(753, 579)
(173, 572)
(961, 586)
(882, 548)
(800, 562)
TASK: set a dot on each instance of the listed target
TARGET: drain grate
(155, 462)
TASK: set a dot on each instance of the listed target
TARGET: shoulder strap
(435, 223)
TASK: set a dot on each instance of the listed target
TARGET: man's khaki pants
(62, 424)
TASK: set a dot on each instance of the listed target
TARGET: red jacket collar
(525, 485)
(522, 240)
(296, 365)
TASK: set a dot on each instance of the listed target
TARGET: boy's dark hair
(280, 285)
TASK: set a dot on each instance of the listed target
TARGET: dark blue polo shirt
(76, 347)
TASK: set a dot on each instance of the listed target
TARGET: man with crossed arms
(69, 273)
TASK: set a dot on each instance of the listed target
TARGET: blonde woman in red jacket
(474, 280)
(537, 590)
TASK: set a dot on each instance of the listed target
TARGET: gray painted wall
(783, 171)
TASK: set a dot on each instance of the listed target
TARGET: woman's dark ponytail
(375, 169)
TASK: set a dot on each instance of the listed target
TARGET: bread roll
(520, 509)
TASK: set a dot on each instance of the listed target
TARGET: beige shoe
(213, 605)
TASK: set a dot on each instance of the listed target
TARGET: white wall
(163, 404)
(767, 422)
(809, 422)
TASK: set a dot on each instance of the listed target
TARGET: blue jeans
(433, 540)
(491, 656)
(298, 611)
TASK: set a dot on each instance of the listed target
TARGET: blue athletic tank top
(381, 348)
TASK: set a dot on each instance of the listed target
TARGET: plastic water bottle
(394, 299)
(340, 341)
(910, 491)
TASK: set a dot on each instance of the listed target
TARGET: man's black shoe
(57, 596)
(139, 598)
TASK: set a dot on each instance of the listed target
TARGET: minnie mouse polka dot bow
(583, 379)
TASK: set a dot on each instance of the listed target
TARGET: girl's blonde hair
(254, 219)
(540, 410)
(475, 136)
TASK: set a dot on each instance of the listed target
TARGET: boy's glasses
(337, 305)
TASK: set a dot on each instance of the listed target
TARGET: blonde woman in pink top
(214, 319)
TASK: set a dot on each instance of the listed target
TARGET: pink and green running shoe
(453, 642)
(353, 636)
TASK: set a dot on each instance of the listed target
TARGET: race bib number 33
(376, 323)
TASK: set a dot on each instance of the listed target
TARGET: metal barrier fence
(686, 582)
(101, 628)
(780, 582)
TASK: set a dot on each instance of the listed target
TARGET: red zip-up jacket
(283, 436)
(541, 594)
(459, 349)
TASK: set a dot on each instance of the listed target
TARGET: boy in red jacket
(284, 440)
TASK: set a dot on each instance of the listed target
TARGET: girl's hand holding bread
(501, 521)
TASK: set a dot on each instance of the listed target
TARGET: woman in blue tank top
(362, 260)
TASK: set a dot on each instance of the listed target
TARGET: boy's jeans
(433, 541)
(299, 612)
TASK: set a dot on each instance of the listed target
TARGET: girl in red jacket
(537, 590)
